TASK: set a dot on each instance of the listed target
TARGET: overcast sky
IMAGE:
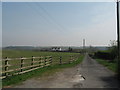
(58, 23)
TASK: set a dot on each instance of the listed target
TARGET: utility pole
(83, 43)
(118, 37)
(84, 50)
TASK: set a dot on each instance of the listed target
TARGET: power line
(50, 16)
(39, 13)
(58, 26)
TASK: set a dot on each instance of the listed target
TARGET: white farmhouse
(56, 49)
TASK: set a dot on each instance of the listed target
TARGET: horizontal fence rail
(16, 66)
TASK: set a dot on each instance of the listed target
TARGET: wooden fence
(22, 65)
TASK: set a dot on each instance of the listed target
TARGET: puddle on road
(78, 78)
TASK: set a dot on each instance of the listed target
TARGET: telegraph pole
(83, 43)
(84, 46)
(118, 38)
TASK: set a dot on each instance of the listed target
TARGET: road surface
(88, 74)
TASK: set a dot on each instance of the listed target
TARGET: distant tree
(91, 49)
(70, 49)
(111, 53)
(113, 47)
(113, 43)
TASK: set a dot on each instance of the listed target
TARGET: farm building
(56, 49)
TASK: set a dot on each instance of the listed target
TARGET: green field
(53, 68)
(24, 53)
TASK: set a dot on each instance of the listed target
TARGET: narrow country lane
(96, 75)
(88, 74)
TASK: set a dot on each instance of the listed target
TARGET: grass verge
(39, 72)
(110, 65)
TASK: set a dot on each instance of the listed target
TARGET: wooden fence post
(45, 61)
(22, 62)
(60, 60)
(40, 62)
(6, 66)
(70, 59)
(32, 62)
(50, 60)
(73, 58)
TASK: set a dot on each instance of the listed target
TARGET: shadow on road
(111, 81)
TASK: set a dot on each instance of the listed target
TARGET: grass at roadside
(39, 72)
(110, 65)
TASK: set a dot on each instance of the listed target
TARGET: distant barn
(56, 49)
